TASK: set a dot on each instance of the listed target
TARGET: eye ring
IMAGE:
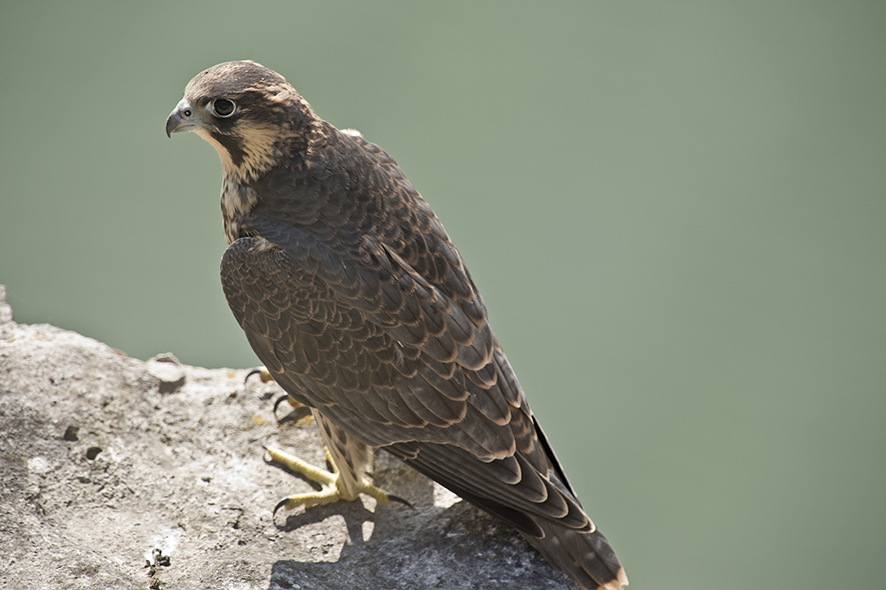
(223, 108)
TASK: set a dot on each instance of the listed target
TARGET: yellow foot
(332, 487)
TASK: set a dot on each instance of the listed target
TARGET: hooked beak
(182, 118)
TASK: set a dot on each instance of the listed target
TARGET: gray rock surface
(108, 463)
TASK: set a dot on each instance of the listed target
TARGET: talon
(301, 415)
(284, 398)
(279, 505)
(280, 400)
(393, 498)
(262, 373)
(332, 486)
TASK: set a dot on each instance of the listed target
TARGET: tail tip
(618, 582)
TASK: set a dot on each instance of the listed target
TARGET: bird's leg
(332, 484)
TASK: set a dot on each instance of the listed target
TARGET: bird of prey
(355, 299)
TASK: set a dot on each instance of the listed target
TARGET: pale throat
(261, 148)
(261, 153)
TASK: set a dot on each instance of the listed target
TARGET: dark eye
(223, 107)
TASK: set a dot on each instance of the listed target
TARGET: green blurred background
(676, 212)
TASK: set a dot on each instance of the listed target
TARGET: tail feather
(568, 542)
(587, 557)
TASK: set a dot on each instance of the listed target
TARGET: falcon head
(248, 113)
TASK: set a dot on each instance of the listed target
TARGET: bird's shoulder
(350, 205)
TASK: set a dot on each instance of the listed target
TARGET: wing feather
(388, 338)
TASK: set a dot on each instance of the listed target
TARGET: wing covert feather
(391, 342)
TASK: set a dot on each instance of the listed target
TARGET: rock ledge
(119, 473)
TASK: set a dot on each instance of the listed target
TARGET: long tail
(556, 525)
(586, 557)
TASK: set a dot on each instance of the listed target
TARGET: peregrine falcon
(353, 296)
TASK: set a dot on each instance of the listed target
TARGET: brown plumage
(353, 296)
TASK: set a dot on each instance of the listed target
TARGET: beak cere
(180, 119)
